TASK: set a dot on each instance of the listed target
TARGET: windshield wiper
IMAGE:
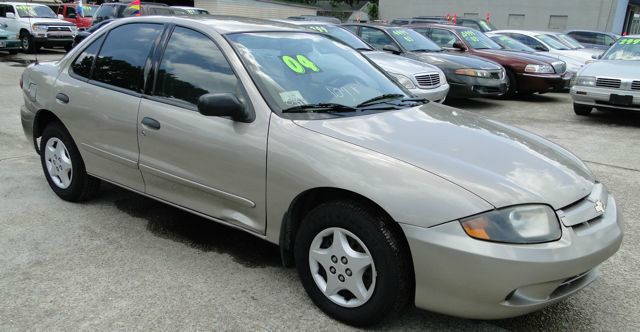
(386, 98)
(320, 108)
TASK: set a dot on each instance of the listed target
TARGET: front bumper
(599, 97)
(51, 39)
(544, 82)
(469, 87)
(436, 95)
(464, 277)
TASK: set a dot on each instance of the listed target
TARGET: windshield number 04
(299, 64)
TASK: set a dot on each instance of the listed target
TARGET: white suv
(36, 25)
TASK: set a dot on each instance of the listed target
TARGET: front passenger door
(212, 165)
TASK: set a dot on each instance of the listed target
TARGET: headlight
(39, 28)
(586, 81)
(473, 72)
(540, 69)
(405, 81)
(519, 224)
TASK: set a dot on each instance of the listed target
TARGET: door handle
(151, 123)
(61, 97)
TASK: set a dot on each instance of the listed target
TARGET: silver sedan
(611, 82)
(378, 198)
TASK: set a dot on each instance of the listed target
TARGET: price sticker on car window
(470, 35)
(630, 41)
(319, 28)
(300, 64)
(400, 33)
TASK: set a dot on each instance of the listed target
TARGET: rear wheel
(580, 109)
(63, 166)
(352, 264)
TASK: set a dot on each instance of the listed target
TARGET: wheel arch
(304, 202)
(41, 120)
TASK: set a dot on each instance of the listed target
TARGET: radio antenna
(34, 46)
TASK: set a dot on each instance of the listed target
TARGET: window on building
(515, 21)
(558, 22)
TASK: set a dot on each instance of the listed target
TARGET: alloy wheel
(58, 163)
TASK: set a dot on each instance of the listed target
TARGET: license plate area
(621, 100)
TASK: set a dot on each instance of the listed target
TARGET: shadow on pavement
(613, 118)
(174, 224)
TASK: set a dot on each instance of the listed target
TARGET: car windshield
(552, 42)
(511, 44)
(297, 69)
(35, 11)
(88, 11)
(194, 11)
(572, 43)
(341, 35)
(413, 41)
(478, 40)
(106, 12)
(486, 26)
(624, 49)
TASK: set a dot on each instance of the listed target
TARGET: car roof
(438, 25)
(22, 3)
(219, 23)
(187, 7)
(376, 25)
(302, 22)
(630, 36)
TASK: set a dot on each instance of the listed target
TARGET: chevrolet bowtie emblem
(599, 207)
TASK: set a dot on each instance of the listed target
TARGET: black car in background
(468, 76)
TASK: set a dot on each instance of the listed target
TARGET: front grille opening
(569, 284)
(608, 83)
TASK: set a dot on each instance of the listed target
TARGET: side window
(376, 37)
(70, 10)
(124, 54)
(193, 65)
(4, 9)
(529, 41)
(607, 40)
(352, 28)
(83, 63)
(443, 38)
(470, 24)
(422, 31)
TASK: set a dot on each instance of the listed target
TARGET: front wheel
(580, 109)
(352, 263)
(63, 166)
(28, 43)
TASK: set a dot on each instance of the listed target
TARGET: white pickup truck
(36, 25)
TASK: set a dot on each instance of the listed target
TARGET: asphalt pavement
(125, 262)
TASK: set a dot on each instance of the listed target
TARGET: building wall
(554, 15)
(252, 8)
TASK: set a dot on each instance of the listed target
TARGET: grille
(635, 85)
(65, 29)
(587, 211)
(560, 67)
(3, 38)
(608, 83)
(428, 80)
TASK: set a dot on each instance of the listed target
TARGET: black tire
(580, 109)
(394, 282)
(512, 90)
(68, 47)
(27, 43)
(83, 186)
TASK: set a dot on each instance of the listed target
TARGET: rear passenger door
(98, 97)
(213, 165)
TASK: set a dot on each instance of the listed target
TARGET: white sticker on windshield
(292, 98)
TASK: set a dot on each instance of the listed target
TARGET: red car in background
(69, 13)
(527, 72)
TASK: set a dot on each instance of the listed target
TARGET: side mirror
(72, 15)
(596, 56)
(224, 104)
(541, 48)
(459, 45)
(391, 48)
(11, 15)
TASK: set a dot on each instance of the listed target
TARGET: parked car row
(311, 140)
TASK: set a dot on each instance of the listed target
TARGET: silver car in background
(379, 199)
(422, 79)
(612, 82)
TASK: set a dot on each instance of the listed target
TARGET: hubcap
(25, 43)
(342, 267)
(58, 163)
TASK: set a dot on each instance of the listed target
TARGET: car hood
(501, 164)
(50, 21)
(622, 69)
(577, 55)
(398, 64)
(503, 56)
(447, 61)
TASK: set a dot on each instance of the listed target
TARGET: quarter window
(124, 54)
(83, 63)
(192, 66)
